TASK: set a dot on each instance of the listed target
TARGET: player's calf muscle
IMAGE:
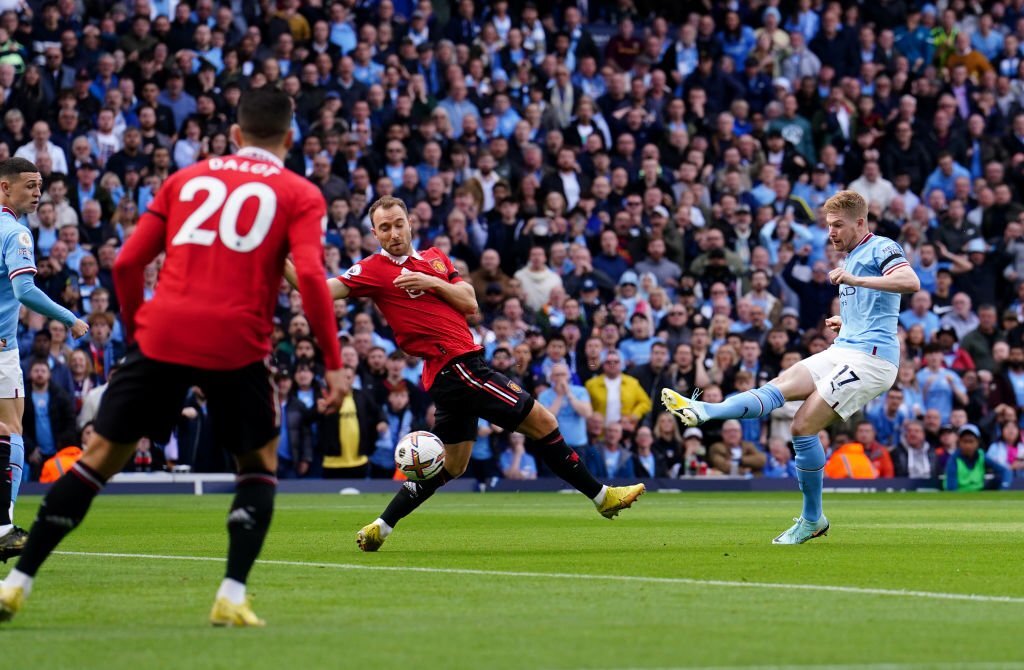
(456, 458)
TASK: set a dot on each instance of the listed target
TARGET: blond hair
(387, 202)
(848, 204)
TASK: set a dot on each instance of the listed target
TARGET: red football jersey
(227, 225)
(425, 325)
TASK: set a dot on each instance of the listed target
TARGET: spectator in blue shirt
(49, 421)
(940, 386)
(888, 417)
(921, 312)
(945, 175)
(636, 349)
(647, 463)
(780, 463)
(482, 464)
(570, 403)
(737, 40)
(608, 460)
(515, 462)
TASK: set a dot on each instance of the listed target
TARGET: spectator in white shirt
(873, 186)
(41, 144)
(538, 279)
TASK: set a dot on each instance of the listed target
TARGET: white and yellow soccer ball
(419, 455)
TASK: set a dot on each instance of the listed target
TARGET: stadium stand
(612, 176)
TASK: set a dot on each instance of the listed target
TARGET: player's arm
(304, 234)
(29, 295)
(139, 251)
(337, 289)
(901, 279)
(459, 294)
(21, 268)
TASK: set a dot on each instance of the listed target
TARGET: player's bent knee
(456, 470)
(539, 423)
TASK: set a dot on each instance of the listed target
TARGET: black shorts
(145, 398)
(468, 390)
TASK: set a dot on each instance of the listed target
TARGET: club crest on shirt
(515, 387)
(438, 266)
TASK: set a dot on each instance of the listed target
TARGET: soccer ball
(419, 455)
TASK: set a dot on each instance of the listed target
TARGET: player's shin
(17, 468)
(248, 523)
(6, 484)
(749, 405)
(62, 510)
(810, 472)
(566, 463)
(410, 496)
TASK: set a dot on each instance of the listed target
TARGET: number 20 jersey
(227, 225)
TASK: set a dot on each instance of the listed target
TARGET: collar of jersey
(860, 244)
(260, 154)
(7, 210)
(398, 260)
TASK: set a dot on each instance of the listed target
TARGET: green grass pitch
(484, 595)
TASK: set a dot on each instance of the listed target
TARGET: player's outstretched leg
(542, 433)
(748, 405)
(62, 510)
(812, 417)
(248, 523)
(412, 495)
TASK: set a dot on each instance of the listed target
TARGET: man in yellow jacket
(617, 396)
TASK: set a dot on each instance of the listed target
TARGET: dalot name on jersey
(250, 167)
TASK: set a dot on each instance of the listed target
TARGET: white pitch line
(684, 581)
(942, 665)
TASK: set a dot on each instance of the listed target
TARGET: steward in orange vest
(58, 464)
(850, 462)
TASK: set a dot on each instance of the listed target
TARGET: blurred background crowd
(633, 189)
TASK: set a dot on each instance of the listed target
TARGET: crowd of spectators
(633, 189)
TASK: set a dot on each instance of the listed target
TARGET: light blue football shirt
(16, 257)
(870, 316)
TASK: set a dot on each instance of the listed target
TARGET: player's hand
(834, 323)
(841, 276)
(417, 281)
(79, 328)
(335, 392)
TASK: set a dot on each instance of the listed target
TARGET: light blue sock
(810, 471)
(17, 465)
(748, 405)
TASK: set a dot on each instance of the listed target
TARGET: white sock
(7, 528)
(385, 529)
(18, 578)
(599, 498)
(232, 590)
